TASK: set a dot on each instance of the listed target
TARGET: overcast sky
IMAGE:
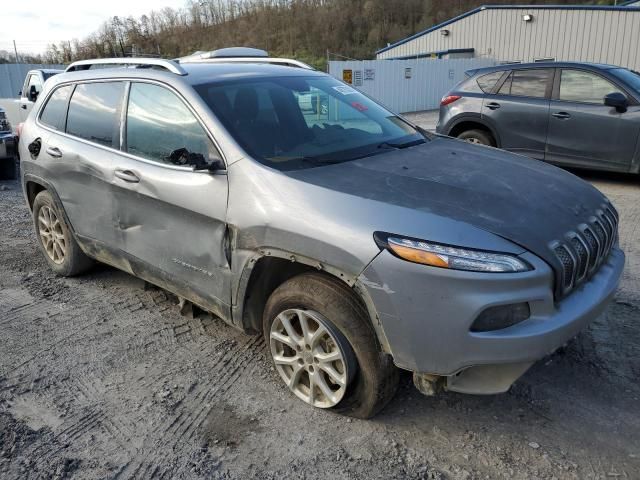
(35, 23)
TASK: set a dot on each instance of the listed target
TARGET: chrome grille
(583, 251)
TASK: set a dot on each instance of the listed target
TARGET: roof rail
(240, 55)
(168, 65)
(278, 61)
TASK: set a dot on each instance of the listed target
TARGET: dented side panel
(174, 220)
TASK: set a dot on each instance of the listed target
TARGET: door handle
(493, 105)
(54, 152)
(127, 176)
(561, 115)
(23, 106)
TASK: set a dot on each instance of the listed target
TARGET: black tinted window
(505, 89)
(93, 112)
(55, 110)
(527, 83)
(161, 127)
(488, 81)
(581, 86)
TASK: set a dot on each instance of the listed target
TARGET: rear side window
(580, 86)
(160, 127)
(527, 83)
(488, 81)
(94, 112)
(54, 112)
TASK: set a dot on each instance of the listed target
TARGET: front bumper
(426, 312)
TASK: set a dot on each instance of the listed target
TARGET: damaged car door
(170, 190)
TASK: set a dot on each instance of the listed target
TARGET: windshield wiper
(412, 143)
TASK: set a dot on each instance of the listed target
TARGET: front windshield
(301, 122)
(631, 77)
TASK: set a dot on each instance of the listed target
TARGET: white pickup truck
(17, 109)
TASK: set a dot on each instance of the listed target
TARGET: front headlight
(447, 256)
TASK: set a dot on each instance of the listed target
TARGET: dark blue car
(571, 114)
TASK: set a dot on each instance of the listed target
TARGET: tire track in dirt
(180, 429)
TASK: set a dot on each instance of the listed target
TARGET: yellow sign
(347, 76)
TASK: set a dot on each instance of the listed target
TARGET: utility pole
(15, 50)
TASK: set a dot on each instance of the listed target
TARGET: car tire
(369, 376)
(60, 249)
(479, 137)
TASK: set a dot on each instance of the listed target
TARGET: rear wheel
(480, 137)
(325, 350)
(60, 249)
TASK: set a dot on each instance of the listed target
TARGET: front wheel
(325, 349)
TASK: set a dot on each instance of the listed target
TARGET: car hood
(524, 201)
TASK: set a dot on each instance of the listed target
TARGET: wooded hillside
(304, 29)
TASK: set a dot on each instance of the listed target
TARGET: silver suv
(355, 242)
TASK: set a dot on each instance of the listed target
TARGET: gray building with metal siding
(532, 32)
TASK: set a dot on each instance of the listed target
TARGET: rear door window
(488, 81)
(94, 112)
(161, 127)
(584, 87)
(527, 83)
(54, 112)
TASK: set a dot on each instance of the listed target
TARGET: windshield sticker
(345, 89)
(360, 107)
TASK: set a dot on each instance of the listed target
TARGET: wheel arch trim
(242, 289)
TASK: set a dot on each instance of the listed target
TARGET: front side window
(160, 127)
(94, 112)
(301, 122)
(488, 81)
(33, 81)
(527, 83)
(584, 87)
(54, 112)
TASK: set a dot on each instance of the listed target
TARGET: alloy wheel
(52, 235)
(313, 359)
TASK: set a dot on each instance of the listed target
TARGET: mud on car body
(353, 241)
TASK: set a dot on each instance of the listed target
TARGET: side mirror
(184, 157)
(33, 93)
(617, 100)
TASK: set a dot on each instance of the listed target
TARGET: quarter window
(579, 86)
(488, 81)
(93, 112)
(527, 83)
(160, 127)
(54, 112)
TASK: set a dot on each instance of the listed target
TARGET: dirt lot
(100, 378)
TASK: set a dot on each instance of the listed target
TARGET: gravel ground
(102, 378)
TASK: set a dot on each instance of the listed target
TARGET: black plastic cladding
(584, 250)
